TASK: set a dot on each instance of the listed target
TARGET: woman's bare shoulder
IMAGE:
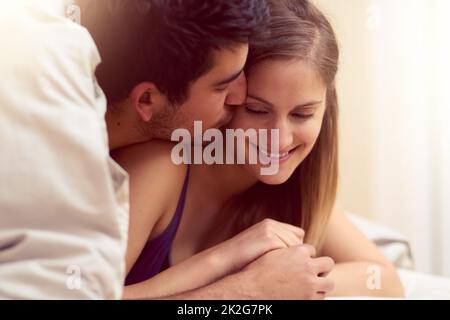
(150, 156)
(152, 170)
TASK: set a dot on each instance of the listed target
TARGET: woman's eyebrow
(259, 99)
(308, 104)
(311, 103)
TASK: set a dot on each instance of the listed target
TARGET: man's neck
(122, 132)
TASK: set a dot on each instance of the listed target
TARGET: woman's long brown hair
(297, 31)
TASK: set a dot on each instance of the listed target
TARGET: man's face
(211, 97)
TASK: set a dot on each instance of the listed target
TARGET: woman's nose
(237, 92)
(285, 136)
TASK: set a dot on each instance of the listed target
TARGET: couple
(69, 222)
(226, 231)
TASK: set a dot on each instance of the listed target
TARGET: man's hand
(291, 273)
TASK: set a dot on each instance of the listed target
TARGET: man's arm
(234, 287)
(60, 231)
(290, 273)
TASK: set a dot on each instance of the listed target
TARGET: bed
(418, 286)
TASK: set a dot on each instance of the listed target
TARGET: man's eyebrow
(271, 105)
(229, 79)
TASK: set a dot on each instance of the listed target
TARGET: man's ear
(146, 99)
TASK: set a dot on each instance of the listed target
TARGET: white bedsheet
(418, 286)
(396, 247)
(423, 286)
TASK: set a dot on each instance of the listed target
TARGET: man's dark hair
(166, 42)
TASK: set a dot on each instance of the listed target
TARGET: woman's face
(288, 96)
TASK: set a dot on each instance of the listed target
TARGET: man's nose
(238, 91)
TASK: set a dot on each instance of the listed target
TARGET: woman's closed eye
(305, 112)
(303, 115)
(258, 111)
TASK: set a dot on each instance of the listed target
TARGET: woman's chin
(271, 178)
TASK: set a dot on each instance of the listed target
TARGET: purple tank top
(155, 257)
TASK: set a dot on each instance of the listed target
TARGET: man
(166, 64)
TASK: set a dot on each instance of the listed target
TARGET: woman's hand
(263, 237)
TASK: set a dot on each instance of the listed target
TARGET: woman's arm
(219, 261)
(361, 270)
(190, 274)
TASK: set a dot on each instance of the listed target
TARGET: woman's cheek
(308, 133)
(243, 121)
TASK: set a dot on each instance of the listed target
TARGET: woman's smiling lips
(275, 157)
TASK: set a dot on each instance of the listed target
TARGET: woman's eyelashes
(303, 116)
(263, 112)
(256, 111)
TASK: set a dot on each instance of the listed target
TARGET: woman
(291, 87)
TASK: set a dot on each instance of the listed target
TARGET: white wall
(395, 102)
